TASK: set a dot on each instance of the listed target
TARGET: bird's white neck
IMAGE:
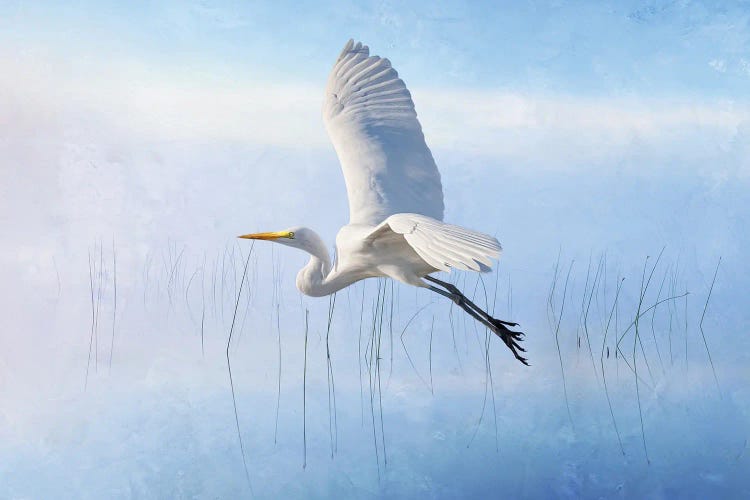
(316, 278)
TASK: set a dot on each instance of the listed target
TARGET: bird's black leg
(455, 291)
(498, 327)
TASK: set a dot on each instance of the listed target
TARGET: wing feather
(443, 246)
(462, 250)
(370, 118)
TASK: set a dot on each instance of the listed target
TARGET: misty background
(597, 141)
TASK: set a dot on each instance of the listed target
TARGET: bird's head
(295, 237)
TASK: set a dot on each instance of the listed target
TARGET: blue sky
(661, 48)
(578, 129)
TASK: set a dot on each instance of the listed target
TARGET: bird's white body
(387, 255)
(396, 226)
(358, 258)
(405, 247)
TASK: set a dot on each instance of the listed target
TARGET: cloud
(521, 128)
(719, 65)
(567, 130)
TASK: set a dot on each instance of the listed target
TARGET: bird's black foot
(506, 323)
(498, 326)
(510, 338)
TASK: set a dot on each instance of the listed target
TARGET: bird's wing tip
(352, 47)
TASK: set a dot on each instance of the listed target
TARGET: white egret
(395, 196)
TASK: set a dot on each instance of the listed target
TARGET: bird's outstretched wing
(371, 121)
(443, 246)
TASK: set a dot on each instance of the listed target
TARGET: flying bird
(396, 226)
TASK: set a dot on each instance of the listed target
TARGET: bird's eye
(291, 235)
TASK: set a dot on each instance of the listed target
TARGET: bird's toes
(519, 357)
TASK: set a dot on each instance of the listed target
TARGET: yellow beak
(267, 236)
